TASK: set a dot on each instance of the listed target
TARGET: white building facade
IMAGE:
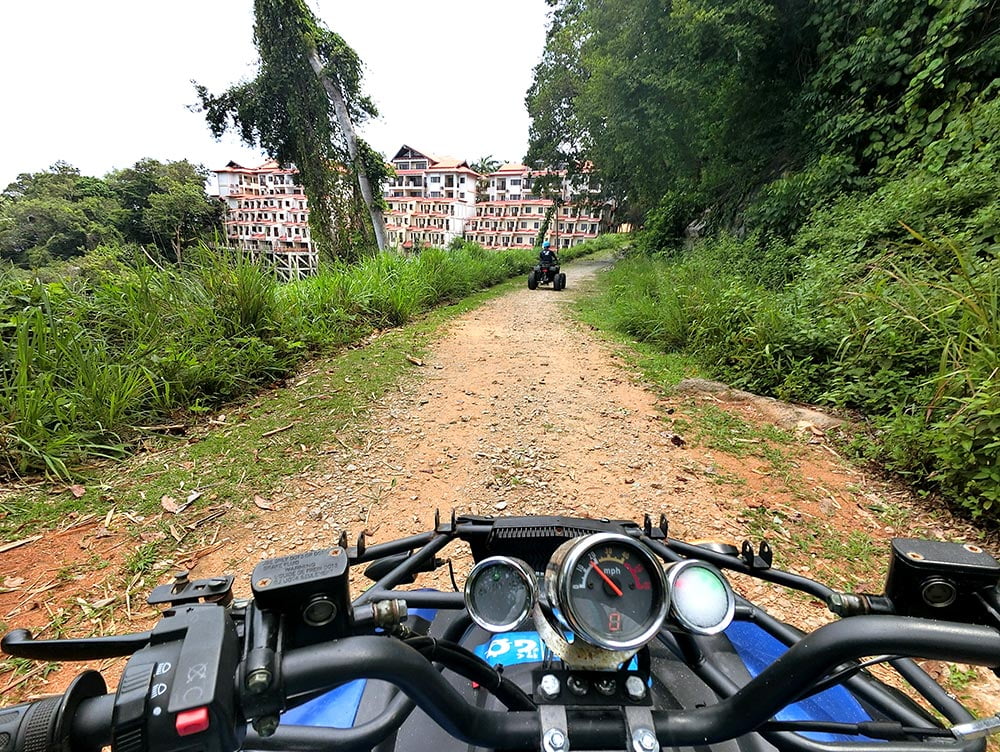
(520, 200)
(430, 200)
(268, 216)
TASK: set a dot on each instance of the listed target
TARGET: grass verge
(246, 449)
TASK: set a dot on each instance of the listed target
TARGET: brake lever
(21, 644)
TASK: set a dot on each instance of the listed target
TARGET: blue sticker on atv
(512, 648)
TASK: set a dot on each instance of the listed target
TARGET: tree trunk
(347, 128)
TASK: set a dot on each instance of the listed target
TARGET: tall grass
(913, 345)
(956, 435)
(85, 363)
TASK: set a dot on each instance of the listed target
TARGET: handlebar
(327, 665)
(207, 669)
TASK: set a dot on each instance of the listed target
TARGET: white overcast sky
(103, 83)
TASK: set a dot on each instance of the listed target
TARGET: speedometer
(609, 589)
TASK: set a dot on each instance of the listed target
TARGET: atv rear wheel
(561, 279)
(532, 280)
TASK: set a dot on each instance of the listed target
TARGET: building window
(434, 179)
(515, 181)
(420, 164)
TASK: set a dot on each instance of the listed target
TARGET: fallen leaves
(170, 504)
(263, 503)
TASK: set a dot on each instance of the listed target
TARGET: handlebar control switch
(310, 590)
(177, 694)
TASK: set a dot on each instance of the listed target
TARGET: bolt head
(606, 687)
(577, 686)
(554, 741)
(266, 725)
(635, 688)
(549, 686)
(647, 740)
(258, 681)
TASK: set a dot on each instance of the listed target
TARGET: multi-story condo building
(520, 200)
(431, 201)
(268, 215)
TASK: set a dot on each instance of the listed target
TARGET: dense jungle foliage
(88, 360)
(58, 214)
(839, 160)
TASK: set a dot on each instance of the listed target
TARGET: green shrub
(86, 358)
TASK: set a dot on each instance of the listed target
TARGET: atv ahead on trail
(544, 274)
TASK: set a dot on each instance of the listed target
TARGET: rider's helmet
(545, 245)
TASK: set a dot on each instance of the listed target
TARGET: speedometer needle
(611, 583)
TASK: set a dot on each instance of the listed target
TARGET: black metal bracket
(655, 533)
(183, 591)
(356, 553)
(448, 527)
(761, 559)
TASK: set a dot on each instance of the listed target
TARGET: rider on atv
(547, 257)
(547, 270)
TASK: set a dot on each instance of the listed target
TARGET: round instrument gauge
(500, 593)
(609, 589)
(701, 600)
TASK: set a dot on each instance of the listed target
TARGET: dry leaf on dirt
(263, 503)
(414, 361)
(77, 490)
(170, 504)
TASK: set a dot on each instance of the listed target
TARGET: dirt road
(521, 409)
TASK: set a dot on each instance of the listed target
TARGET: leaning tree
(301, 109)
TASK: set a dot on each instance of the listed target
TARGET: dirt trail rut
(521, 411)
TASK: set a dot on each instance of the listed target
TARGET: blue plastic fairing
(758, 650)
(339, 707)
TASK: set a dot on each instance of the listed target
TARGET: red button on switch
(192, 721)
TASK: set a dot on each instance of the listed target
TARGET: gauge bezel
(559, 583)
(524, 572)
(674, 571)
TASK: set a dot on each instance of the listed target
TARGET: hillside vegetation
(88, 361)
(839, 161)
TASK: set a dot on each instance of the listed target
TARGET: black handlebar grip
(13, 638)
(29, 727)
(44, 725)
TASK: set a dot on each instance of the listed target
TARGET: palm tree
(486, 165)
